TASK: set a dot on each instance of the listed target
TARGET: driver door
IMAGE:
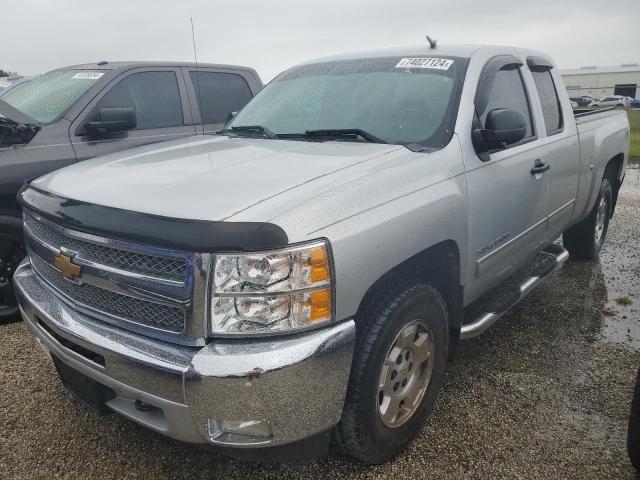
(507, 208)
(159, 99)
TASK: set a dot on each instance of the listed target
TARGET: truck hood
(208, 178)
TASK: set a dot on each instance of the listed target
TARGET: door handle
(540, 167)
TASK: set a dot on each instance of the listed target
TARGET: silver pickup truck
(306, 274)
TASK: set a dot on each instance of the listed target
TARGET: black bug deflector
(177, 233)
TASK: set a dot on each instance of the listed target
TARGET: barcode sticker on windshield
(88, 75)
(435, 63)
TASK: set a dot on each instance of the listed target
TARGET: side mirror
(231, 116)
(112, 119)
(502, 127)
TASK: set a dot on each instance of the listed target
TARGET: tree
(4, 73)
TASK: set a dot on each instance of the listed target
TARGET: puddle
(621, 323)
(620, 263)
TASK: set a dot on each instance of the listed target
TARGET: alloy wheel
(405, 374)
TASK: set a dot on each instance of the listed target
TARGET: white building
(600, 82)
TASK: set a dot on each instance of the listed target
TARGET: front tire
(397, 371)
(585, 239)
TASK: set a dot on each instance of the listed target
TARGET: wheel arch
(439, 266)
(613, 171)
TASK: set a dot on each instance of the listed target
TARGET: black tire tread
(11, 224)
(348, 434)
(579, 239)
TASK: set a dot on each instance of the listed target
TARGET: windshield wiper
(344, 132)
(264, 131)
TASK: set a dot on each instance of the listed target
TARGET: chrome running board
(484, 321)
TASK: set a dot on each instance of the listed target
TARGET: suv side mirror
(503, 127)
(112, 119)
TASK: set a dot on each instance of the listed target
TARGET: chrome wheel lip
(405, 374)
(601, 216)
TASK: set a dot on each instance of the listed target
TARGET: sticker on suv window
(435, 63)
(87, 75)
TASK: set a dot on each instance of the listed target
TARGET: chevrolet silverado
(304, 275)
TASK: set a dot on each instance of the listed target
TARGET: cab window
(549, 100)
(219, 94)
(508, 91)
(154, 97)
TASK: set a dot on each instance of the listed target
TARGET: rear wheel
(12, 252)
(397, 370)
(585, 239)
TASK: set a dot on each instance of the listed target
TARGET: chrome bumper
(295, 384)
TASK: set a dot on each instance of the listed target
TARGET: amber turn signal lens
(319, 265)
(320, 305)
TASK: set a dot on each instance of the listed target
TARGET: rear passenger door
(159, 98)
(217, 93)
(558, 145)
(507, 207)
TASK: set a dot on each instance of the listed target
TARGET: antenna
(195, 57)
(432, 42)
(193, 38)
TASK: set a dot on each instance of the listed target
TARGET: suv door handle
(540, 167)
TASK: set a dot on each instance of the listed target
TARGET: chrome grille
(165, 317)
(165, 267)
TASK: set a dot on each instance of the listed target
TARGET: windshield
(397, 100)
(49, 96)
(10, 87)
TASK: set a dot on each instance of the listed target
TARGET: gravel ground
(544, 394)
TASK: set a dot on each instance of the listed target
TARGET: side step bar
(486, 320)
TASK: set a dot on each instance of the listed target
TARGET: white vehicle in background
(613, 101)
(574, 104)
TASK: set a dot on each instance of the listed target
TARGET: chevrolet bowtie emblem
(68, 269)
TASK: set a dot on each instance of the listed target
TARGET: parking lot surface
(544, 394)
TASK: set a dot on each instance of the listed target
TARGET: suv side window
(219, 94)
(508, 91)
(549, 100)
(154, 96)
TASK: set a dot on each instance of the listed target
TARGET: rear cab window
(549, 100)
(219, 94)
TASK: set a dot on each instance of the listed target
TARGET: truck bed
(600, 134)
(580, 113)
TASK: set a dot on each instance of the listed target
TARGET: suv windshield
(396, 100)
(49, 96)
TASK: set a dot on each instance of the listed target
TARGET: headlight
(275, 291)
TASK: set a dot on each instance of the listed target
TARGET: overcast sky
(271, 35)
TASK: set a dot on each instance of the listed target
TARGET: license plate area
(88, 391)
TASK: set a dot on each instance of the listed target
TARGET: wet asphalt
(544, 394)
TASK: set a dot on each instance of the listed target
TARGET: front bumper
(295, 384)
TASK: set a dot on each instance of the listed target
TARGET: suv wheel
(11, 254)
(397, 370)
